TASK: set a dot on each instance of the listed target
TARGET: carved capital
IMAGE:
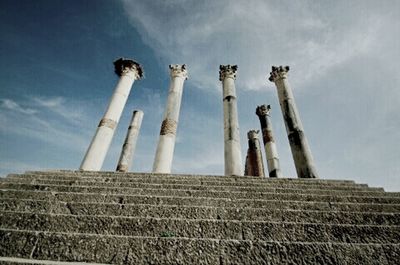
(126, 66)
(278, 73)
(178, 70)
(252, 134)
(227, 71)
(263, 110)
(168, 126)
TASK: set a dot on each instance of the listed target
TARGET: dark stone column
(263, 113)
(254, 161)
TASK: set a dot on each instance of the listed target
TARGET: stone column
(232, 152)
(269, 142)
(166, 143)
(128, 71)
(128, 149)
(254, 161)
(301, 152)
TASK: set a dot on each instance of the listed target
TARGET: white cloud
(43, 126)
(345, 61)
(71, 111)
(309, 36)
(14, 106)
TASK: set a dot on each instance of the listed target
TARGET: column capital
(278, 73)
(178, 70)
(252, 134)
(227, 71)
(127, 66)
(263, 110)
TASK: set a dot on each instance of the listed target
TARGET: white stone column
(271, 152)
(232, 152)
(254, 161)
(128, 71)
(301, 152)
(166, 143)
(128, 149)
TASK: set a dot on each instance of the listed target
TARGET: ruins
(91, 216)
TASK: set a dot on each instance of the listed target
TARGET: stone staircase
(138, 218)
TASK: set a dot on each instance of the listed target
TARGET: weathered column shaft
(166, 143)
(128, 149)
(255, 165)
(269, 142)
(301, 152)
(232, 152)
(128, 71)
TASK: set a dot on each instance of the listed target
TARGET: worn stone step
(109, 188)
(187, 200)
(201, 186)
(271, 213)
(208, 202)
(113, 176)
(14, 261)
(163, 250)
(161, 175)
(339, 196)
(200, 228)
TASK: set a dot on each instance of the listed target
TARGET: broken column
(301, 152)
(128, 149)
(254, 161)
(166, 143)
(128, 71)
(232, 152)
(271, 152)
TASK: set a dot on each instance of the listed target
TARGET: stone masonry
(142, 218)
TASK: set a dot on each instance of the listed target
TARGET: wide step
(273, 213)
(157, 250)
(142, 218)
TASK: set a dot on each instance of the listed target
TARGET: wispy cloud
(308, 36)
(37, 121)
(14, 106)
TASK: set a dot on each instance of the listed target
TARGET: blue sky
(57, 76)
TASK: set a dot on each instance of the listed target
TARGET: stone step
(13, 261)
(308, 196)
(272, 213)
(201, 186)
(153, 198)
(109, 188)
(164, 250)
(54, 199)
(201, 228)
(165, 178)
(114, 174)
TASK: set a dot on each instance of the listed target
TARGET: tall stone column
(128, 149)
(128, 71)
(301, 152)
(166, 143)
(271, 152)
(232, 152)
(254, 161)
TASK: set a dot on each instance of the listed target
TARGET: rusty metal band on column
(168, 126)
(108, 123)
